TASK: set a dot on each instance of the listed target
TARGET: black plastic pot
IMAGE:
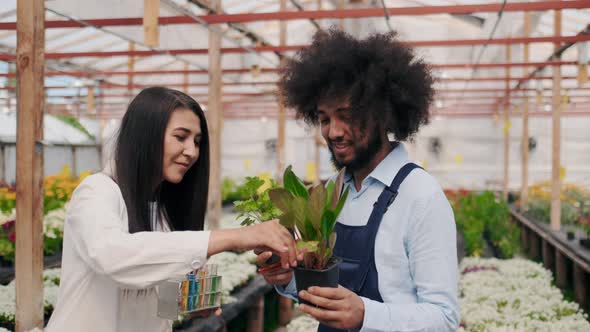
(328, 277)
(585, 243)
(571, 236)
(273, 259)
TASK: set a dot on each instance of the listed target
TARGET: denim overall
(356, 246)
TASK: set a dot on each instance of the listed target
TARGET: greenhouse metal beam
(498, 92)
(29, 156)
(553, 57)
(325, 14)
(246, 83)
(276, 70)
(287, 48)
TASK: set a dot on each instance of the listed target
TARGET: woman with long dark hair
(140, 221)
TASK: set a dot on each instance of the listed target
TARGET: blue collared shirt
(415, 250)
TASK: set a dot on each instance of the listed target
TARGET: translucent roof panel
(190, 42)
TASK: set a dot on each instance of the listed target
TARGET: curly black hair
(385, 82)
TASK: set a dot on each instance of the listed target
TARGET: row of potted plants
(514, 295)
(57, 191)
(53, 225)
(236, 270)
(575, 209)
(482, 218)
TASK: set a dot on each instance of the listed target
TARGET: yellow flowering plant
(575, 203)
(57, 190)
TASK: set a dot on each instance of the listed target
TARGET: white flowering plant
(8, 298)
(53, 225)
(236, 271)
(514, 295)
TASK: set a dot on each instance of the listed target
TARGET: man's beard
(362, 154)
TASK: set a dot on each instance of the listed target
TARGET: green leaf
(332, 241)
(298, 209)
(247, 222)
(316, 205)
(327, 254)
(310, 232)
(330, 190)
(287, 220)
(72, 121)
(328, 220)
(340, 204)
(294, 184)
(309, 246)
(338, 188)
(281, 198)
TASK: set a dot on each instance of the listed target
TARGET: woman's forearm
(222, 240)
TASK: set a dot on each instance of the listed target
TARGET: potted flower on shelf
(570, 231)
(585, 222)
(311, 216)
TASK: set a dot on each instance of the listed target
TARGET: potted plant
(570, 231)
(311, 216)
(257, 206)
(585, 222)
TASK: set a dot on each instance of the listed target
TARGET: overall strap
(383, 202)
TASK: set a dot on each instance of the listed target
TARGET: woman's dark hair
(384, 81)
(138, 161)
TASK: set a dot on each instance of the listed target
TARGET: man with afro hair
(396, 233)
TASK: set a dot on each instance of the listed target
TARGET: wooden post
(534, 246)
(130, 69)
(506, 128)
(580, 285)
(185, 79)
(340, 5)
(90, 103)
(524, 238)
(74, 162)
(2, 163)
(556, 137)
(548, 256)
(215, 118)
(285, 310)
(256, 316)
(30, 59)
(151, 13)
(101, 156)
(281, 119)
(560, 269)
(77, 102)
(524, 192)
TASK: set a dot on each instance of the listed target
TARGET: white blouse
(108, 275)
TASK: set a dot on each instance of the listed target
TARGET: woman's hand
(269, 236)
(274, 237)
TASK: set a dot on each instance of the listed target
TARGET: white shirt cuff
(289, 291)
(372, 315)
